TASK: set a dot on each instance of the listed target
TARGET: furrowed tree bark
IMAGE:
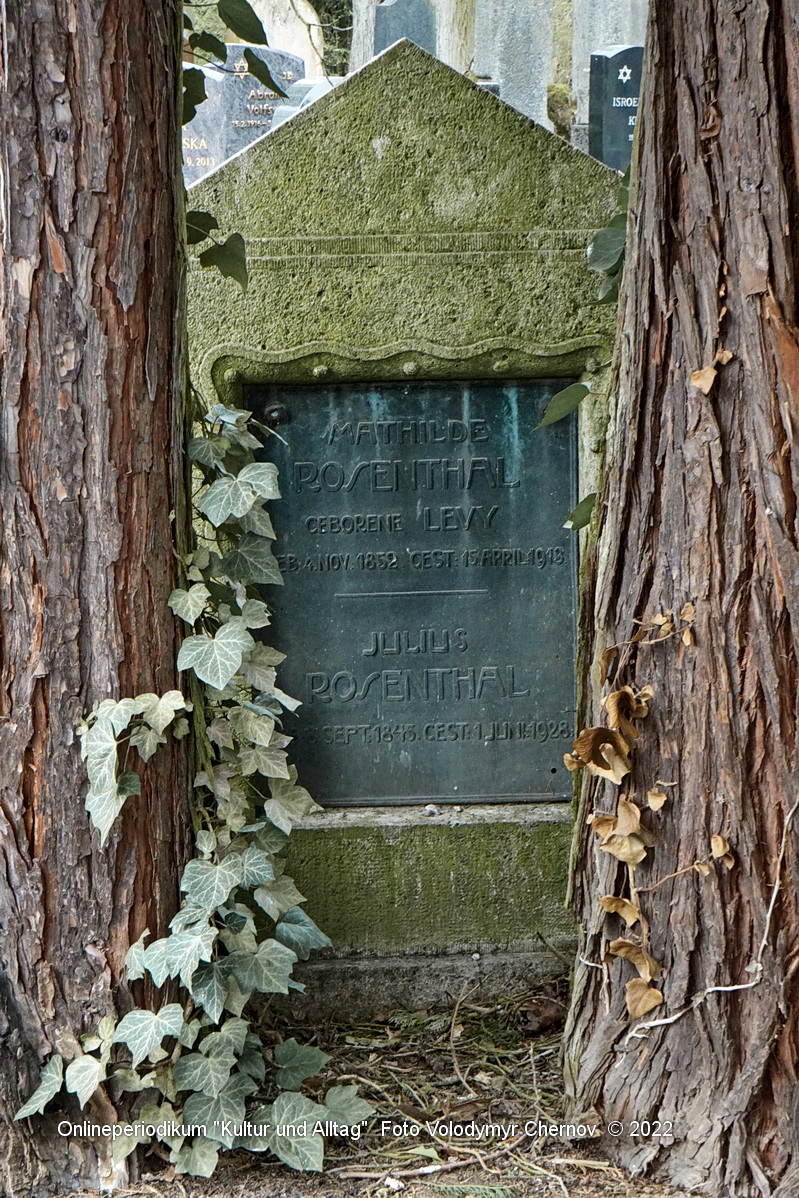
(699, 504)
(90, 490)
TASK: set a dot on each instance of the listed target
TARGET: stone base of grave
(420, 905)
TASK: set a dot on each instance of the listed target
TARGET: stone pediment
(407, 223)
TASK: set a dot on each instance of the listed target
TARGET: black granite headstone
(413, 19)
(615, 85)
(428, 606)
(238, 109)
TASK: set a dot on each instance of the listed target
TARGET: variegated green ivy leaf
(267, 970)
(207, 886)
(83, 1076)
(143, 1031)
(50, 1081)
(190, 604)
(215, 659)
(300, 933)
(296, 1062)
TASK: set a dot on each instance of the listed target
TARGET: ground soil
(494, 1064)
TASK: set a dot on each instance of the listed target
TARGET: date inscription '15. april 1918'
(429, 600)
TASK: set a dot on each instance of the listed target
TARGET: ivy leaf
(119, 714)
(255, 614)
(267, 970)
(231, 1037)
(230, 258)
(296, 1062)
(143, 1031)
(258, 668)
(252, 561)
(83, 1076)
(345, 1107)
(240, 18)
(146, 740)
(563, 404)
(257, 520)
(251, 727)
(129, 784)
(209, 988)
(220, 732)
(292, 1112)
(226, 1108)
(179, 954)
(208, 451)
(258, 868)
(50, 1081)
(193, 93)
(215, 659)
(209, 1074)
(199, 1158)
(581, 515)
(214, 46)
(262, 477)
(159, 711)
(300, 933)
(207, 886)
(278, 897)
(226, 497)
(271, 763)
(258, 68)
(134, 958)
(189, 604)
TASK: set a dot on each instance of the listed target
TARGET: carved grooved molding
(248, 363)
(534, 241)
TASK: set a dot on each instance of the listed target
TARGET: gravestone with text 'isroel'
(428, 605)
(614, 91)
(238, 108)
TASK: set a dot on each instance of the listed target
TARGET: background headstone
(238, 109)
(294, 25)
(613, 109)
(413, 19)
(598, 23)
(513, 45)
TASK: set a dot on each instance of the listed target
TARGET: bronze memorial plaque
(428, 611)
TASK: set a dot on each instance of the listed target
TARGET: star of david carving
(625, 74)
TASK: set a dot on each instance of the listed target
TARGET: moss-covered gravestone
(418, 287)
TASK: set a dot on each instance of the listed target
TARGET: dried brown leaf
(641, 998)
(628, 818)
(629, 849)
(656, 799)
(729, 860)
(688, 613)
(621, 906)
(602, 823)
(724, 355)
(605, 662)
(719, 846)
(703, 379)
(604, 753)
(702, 868)
(572, 763)
(688, 638)
(636, 954)
(666, 630)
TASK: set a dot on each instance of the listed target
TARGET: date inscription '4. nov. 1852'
(428, 610)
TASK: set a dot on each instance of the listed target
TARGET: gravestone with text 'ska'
(238, 109)
(615, 87)
(428, 600)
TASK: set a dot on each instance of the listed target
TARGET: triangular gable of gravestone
(406, 223)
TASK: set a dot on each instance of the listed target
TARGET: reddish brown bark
(700, 504)
(91, 478)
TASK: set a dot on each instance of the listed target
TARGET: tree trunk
(91, 485)
(700, 505)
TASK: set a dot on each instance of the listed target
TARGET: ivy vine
(200, 1065)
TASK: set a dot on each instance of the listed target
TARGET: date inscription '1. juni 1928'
(429, 600)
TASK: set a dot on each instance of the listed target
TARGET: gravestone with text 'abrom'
(238, 109)
(428, 605)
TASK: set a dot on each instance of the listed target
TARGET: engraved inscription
(428, 604)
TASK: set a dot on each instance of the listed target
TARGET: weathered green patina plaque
(429, 602)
